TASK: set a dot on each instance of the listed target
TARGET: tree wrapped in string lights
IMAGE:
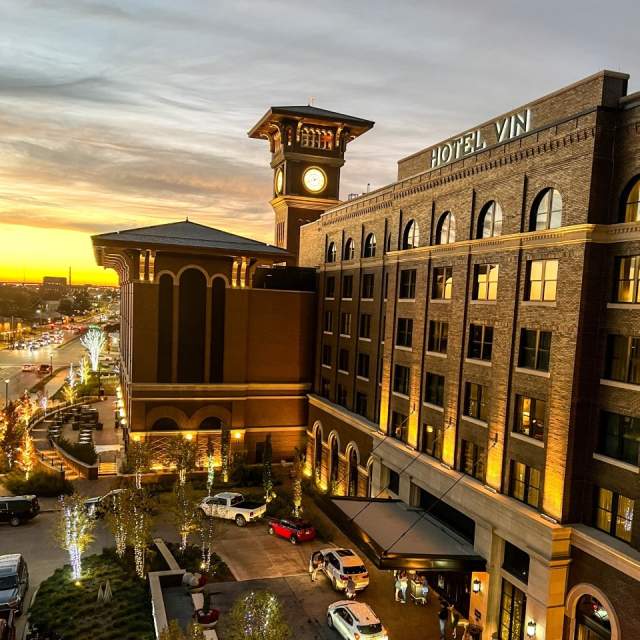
(69, 393)
(85, 370)
(257, 616)
(267, 471)
(211, 470)
(225, 448)
(185, 512)
(93, 341)
(298, 473)
(12, 429)
(139, 458)
(27, 454)
(75, 531)
(182, 453)
(139, 530)
(208, 530)
(120, 518)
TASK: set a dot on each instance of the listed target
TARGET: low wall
(162, 579)
(43, 465)
(87, 471)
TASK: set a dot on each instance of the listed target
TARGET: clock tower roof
(311, 115)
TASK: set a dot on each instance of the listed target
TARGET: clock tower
(307, 147)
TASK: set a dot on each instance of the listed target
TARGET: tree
(84, 370)
(211, 470)
(267, 471)
(185, 513)
(12, 428)
(93, 341)
(175, 632)
(27, 454)
(139, 458)
(298, 471)
(119, 519)
(75, 531)
(208, 531)
(139, 531)
(182, 453)
(257, 616)
(224, 454)
(69, 393)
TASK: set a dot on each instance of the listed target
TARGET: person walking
(442, 619)
(454, 619)
(404, 583)
(424, 588)
(316, 564)
(350, 590)
(397, 585)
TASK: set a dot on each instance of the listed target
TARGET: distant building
(53, 287)
(54, 281)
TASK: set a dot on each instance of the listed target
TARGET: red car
(293, 530)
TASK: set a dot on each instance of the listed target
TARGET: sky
(120, 114)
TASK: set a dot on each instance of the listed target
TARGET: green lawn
(73, 611)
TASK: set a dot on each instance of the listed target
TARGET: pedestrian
(350, 590)
(315, 565)
(398, 586)
(404, 583)
(454, 619)
(424, 588)
(442, 618)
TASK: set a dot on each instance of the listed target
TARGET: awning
(396, 536)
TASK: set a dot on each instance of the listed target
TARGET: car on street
(232, 506)
(342, 564)
(44, 369)
(293, 530)
(14, 582)
(99, 506)
(28, 368)
(18, 509)
(355, 621)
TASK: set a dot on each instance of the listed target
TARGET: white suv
(355, 621)
(342, 564)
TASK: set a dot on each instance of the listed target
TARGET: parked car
(28, 367)
(7, 625)
(232, 506)
(355, 621)
(293, 530)
(17, 509)
(14, 582)
(342, 564)
(98, 507)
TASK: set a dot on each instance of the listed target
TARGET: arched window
(387, 243)
(547, 210)
(192, 317)
(631, 201)
(370, 246)
(165, 424)
(218, 302)
(349, 250)
(165, 327)
(352, 489)
(446, 229)
(411, 235)
(211, 423)
(369, 477)
(331, 252)
(334, 462)
(592, 620)
(490, 220)
(317, 454)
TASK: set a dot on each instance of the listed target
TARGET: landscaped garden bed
(191, 560)
(72, 609)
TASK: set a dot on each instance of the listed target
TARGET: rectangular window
(485, 282)
(623, 359)
(361, 403)
(472, 459)
(345, 324)
(434, 389)
(432, 441)
(328, 321)
(619, 437)
(525, 483)
(614, 513)
(383, 327)
(542, 278)
(480, 341)
(363, 365)
(404, 334)
(535, 349)
(438, 332)
(330, 287)
(368, 281)
(399, 427)
(407, 284)
(393, 484)
(347, 287)
(475, 401)
(386, 285)
(627, 270)
(442, 287)
(341, 395)
(365, 325)
(530, 417)
(324, 387)
(343, 360)
(516, 562)
(513, 607)
(401, 376)
(326, 354)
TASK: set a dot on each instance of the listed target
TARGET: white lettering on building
(471, 142)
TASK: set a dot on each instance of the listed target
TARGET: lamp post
(6, 392)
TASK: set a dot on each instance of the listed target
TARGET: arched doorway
(211, 423)
(352, 460)
(591, 614)
(334, 461)
(165, 424)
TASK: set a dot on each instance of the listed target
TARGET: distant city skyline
(115, 115)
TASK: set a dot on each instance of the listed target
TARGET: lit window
(627, 287)
(490, 222)
(547, 211)
(485, 282)
(370, 246)
(472, 459)
(530, 417)
(442, 283)
(614, 513)
(432, 441)
(542, 279)
(631, 201)
(446, 229)
(411, 236)
(525, 483)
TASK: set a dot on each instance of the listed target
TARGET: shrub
(84, 452)
(40, 483)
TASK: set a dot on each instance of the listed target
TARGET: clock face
(314, 180)
(279, 181)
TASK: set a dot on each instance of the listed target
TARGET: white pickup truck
(232, 506)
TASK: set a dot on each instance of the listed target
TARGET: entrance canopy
(397, 536)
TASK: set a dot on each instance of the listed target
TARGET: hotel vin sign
(504, 129)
